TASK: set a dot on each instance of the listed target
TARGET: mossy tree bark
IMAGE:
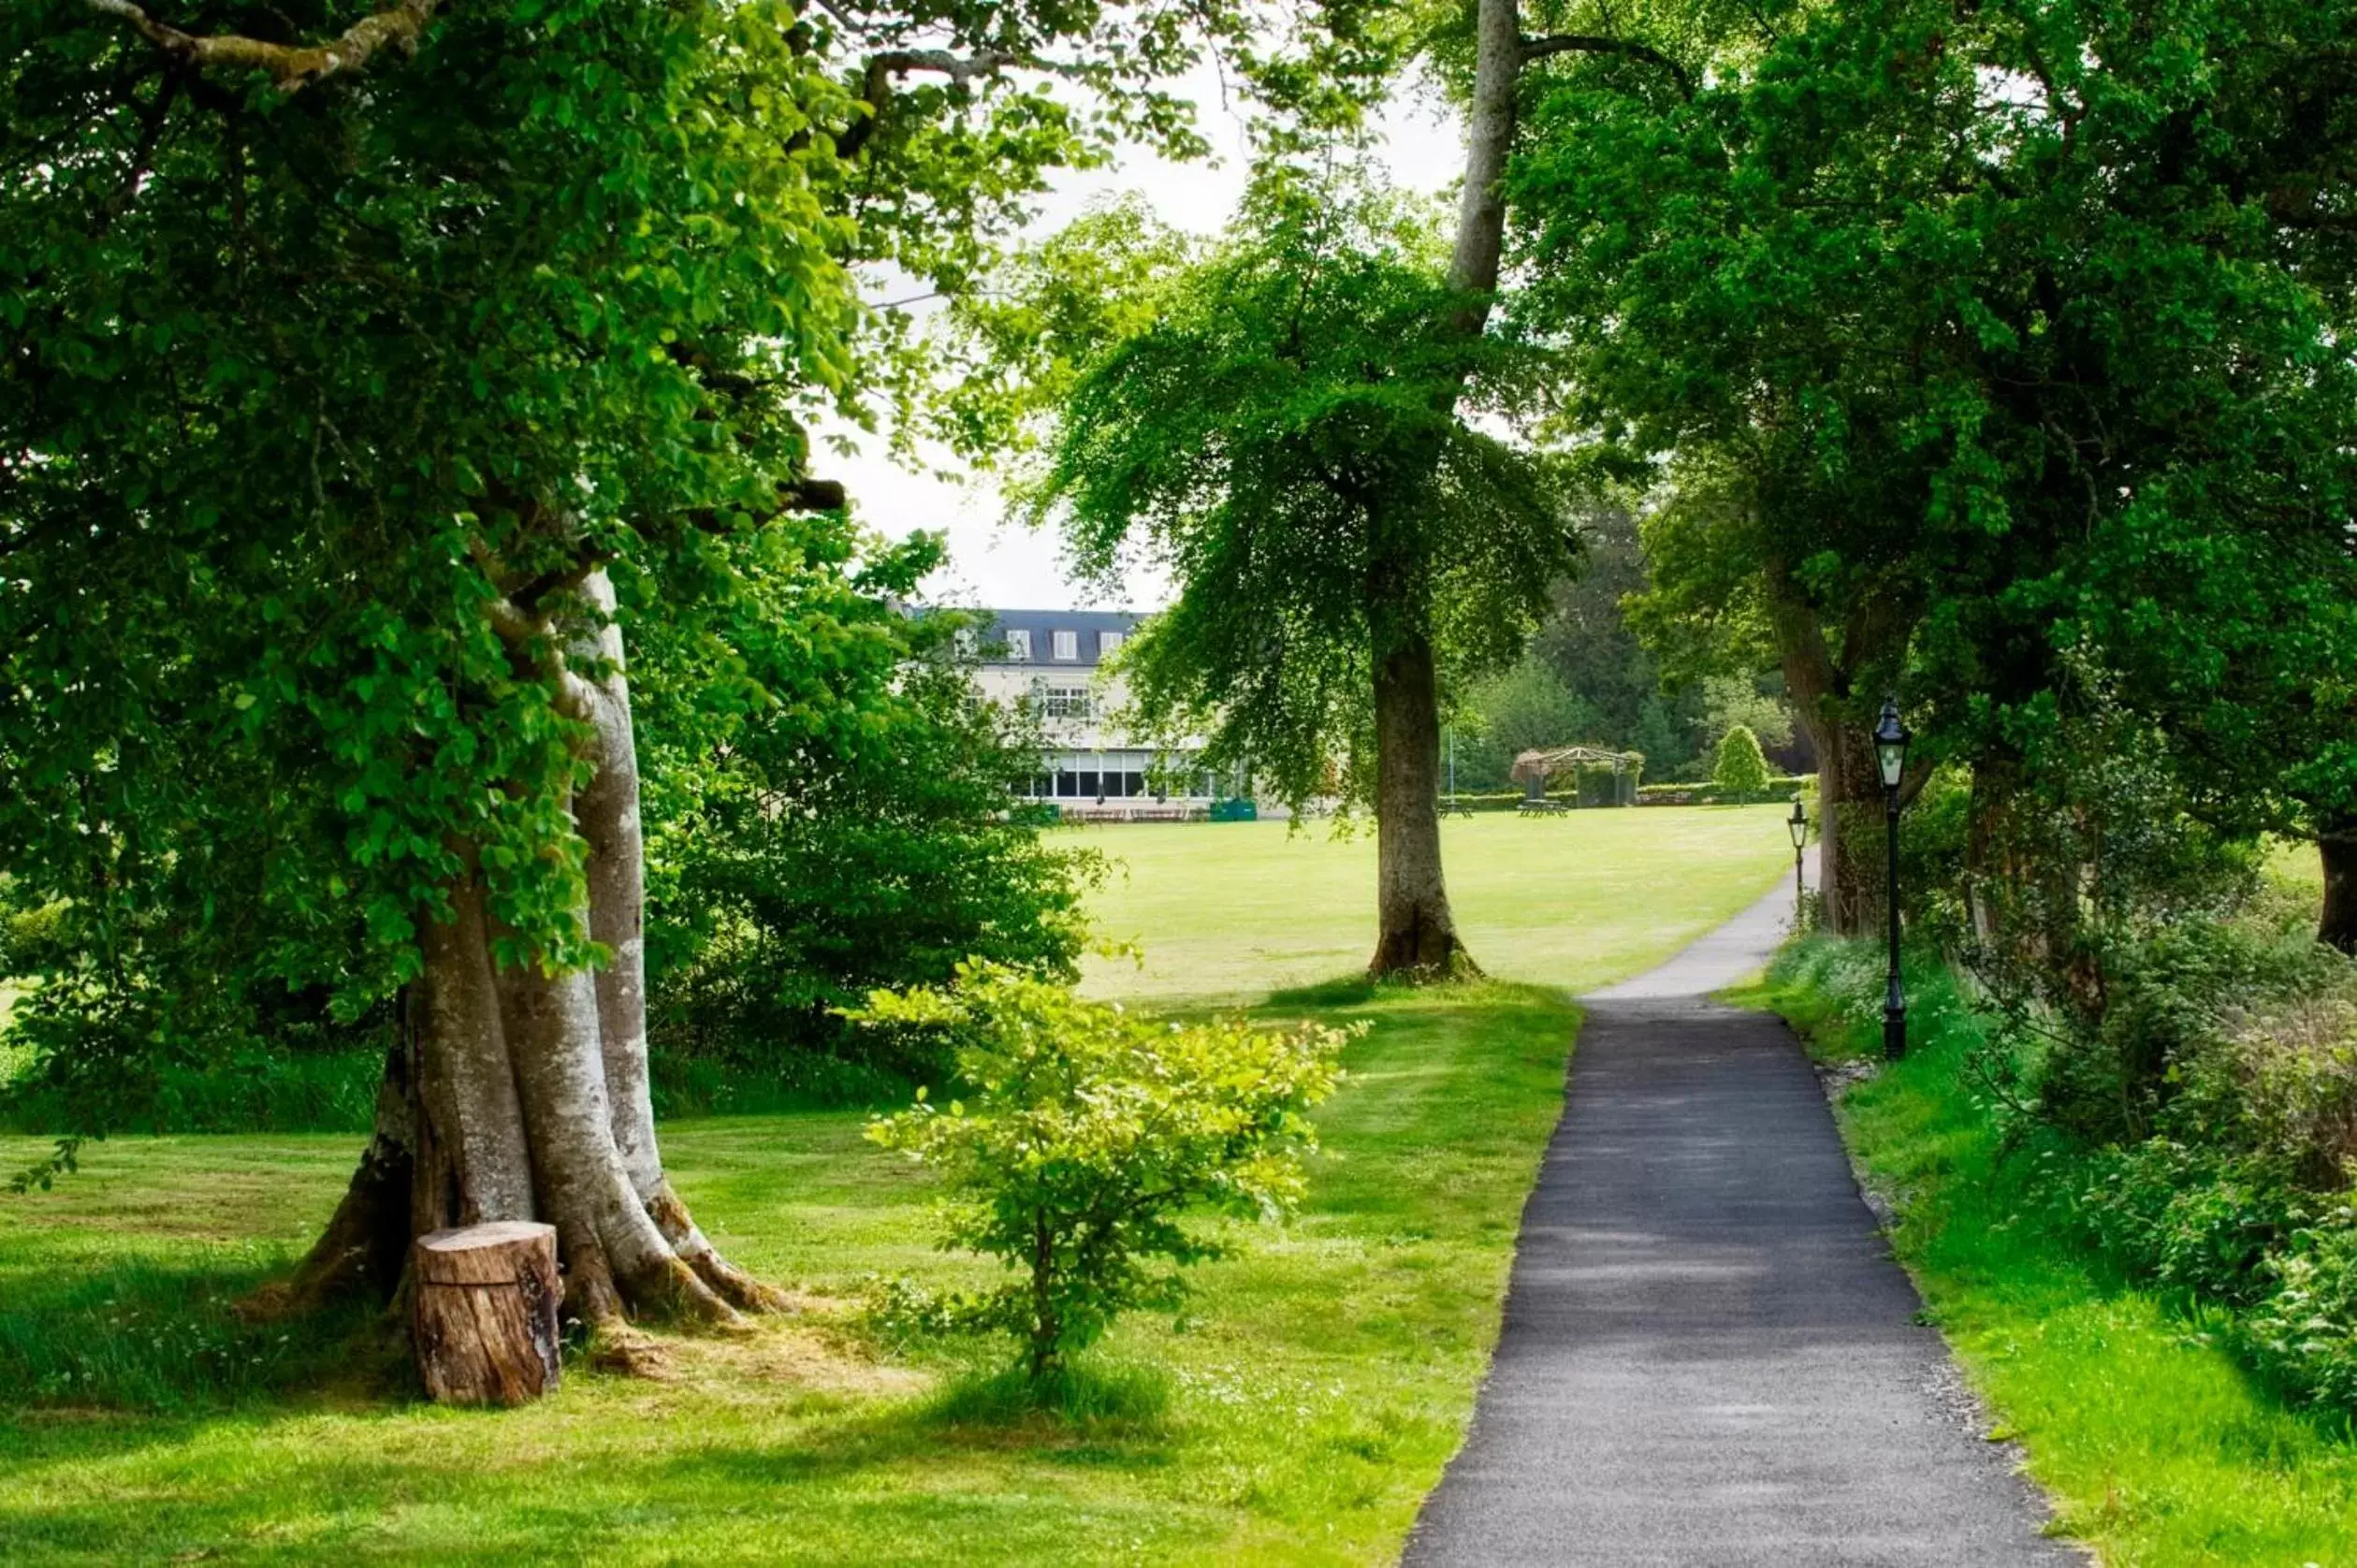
(522, 1093)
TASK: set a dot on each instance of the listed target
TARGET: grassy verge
(2157, 1448)
(1322, 1379)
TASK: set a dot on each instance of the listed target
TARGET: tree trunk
(2336, 847)
(607, 811)
(1992, 853)
(1417, 936)
(1850, 852)
(1852, 844)
(1480, 239)
(522, 1095)
(473, 1159)
(1849, 856)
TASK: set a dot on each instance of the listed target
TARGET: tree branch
(291, 68)
(963, 70)
(803, 495)
(529, 643)
(1589, 43)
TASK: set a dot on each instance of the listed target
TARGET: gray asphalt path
(1709, 1357)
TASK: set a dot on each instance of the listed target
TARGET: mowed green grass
(2292, 865)
(1322, 1377)
(1235, 909)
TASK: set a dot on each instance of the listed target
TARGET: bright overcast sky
(997, 565)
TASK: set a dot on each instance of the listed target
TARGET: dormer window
(1068, 644)
(1019, 646)
(1107, 643)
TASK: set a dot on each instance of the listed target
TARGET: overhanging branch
(963, 70)
(803, 495)
(291, 68)
(1590, 43)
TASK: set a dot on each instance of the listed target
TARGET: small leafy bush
(1092, 1134)
(2188, 1218)
(1741, 767)
(2304, 1336)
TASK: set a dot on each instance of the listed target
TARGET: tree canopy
(372, 378)
(1969, 342)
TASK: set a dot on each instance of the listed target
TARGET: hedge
(1710, 794)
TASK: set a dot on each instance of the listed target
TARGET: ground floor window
(1128, 776)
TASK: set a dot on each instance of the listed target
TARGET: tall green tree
(1520, 709)
(1290, 429)
(1974, 346)
(369, 374)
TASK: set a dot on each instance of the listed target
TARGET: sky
(1000, 565)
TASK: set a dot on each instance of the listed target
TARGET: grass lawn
(2292, 867)
(2155, 1447)
(1237, 908)
(1322, 1378)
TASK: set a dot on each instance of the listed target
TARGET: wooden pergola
(1531, 769)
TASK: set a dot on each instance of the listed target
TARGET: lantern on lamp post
(1798, 825)
(1890, 755)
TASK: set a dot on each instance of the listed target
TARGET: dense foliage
(332, 377)
(1284, 427)
(2230, 1191)
(1974, 346)
(1093, 1134)
(851, 841)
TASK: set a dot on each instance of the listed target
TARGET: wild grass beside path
(2156, 1446)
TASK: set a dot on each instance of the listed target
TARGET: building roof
(1087, 625)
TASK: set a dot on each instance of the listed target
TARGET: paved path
(1709, 1357)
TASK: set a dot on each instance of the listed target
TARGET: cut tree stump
(483, 1313)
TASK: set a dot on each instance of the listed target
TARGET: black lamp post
(1799, 824)
(1890, 754)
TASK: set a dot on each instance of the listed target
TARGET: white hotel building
(1092, 767)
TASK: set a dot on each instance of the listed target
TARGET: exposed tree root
(728, 1282)
(1424, 952)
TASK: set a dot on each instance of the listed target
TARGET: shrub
(809, 873)
(1741, 769)
(1780, 787)
(2304, 1336)
(1092, 1133)
(2238, 1198)
(2186, 1219)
